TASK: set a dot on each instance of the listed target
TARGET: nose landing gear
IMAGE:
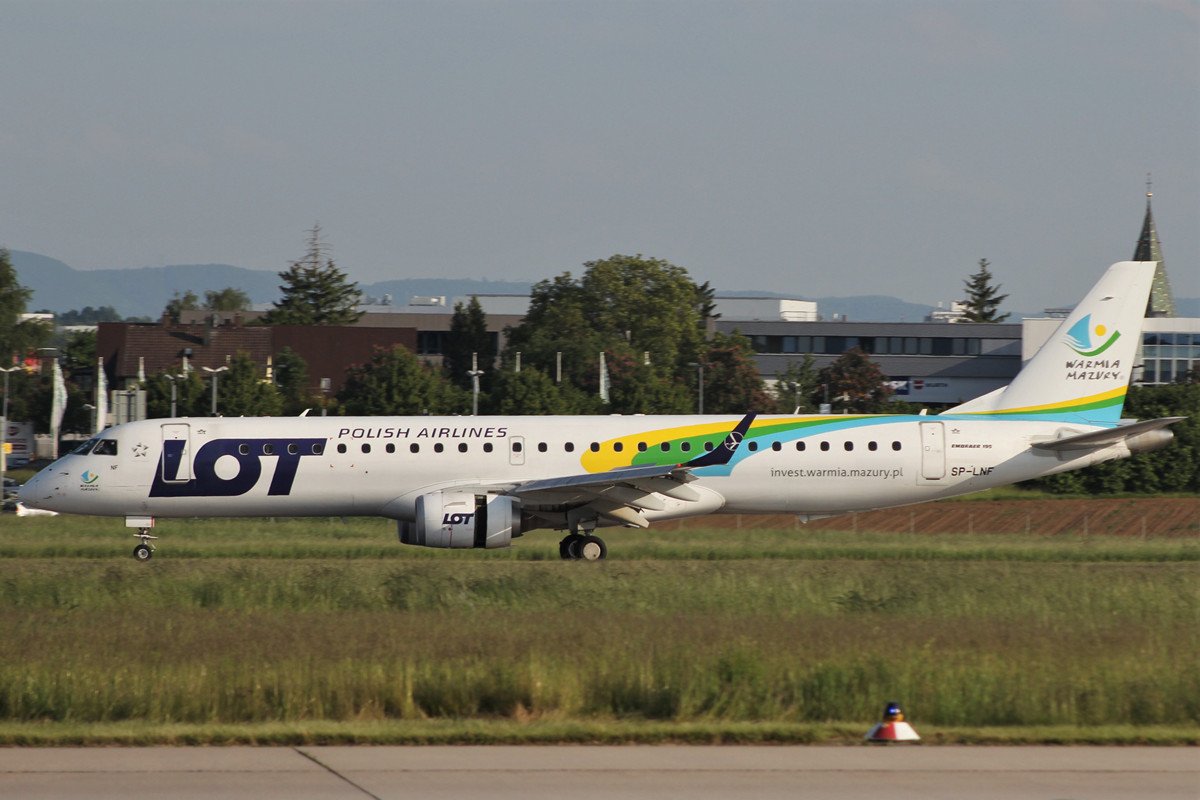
(145, 549)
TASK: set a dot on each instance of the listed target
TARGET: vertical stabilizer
(1082, 372)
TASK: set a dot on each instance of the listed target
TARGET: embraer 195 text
(484, 481)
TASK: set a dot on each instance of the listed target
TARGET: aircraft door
(933, 451)
(516, 450)
(177, 452)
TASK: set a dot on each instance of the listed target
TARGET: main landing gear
(145, 549)
(582, 547)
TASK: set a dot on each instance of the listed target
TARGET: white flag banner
(603, 378)
(58, 405)
(101, 396)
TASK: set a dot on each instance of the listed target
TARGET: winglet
(721, 455)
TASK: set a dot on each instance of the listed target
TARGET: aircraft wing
(623, 494)
(1095, 439)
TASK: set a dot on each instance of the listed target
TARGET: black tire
(592, 548)
(564, 547)
(142, 552)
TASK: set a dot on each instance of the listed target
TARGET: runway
(585, 772)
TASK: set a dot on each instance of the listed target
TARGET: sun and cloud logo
(89, 477)
(1090, 340)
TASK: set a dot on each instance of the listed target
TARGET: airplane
(481, 482)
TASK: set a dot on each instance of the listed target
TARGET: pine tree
(982, 300)
(315, 291)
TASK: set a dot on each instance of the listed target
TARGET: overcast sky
(816, 148)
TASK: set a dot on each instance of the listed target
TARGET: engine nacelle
(463, 519)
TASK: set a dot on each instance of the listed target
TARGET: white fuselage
(378, 466)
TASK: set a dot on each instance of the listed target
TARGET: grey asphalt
(583, 772)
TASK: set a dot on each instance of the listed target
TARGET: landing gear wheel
(592, 548)
(568, 546)
(145, 549)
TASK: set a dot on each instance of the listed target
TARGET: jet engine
(463, 519)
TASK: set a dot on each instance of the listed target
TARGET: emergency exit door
(933, 451)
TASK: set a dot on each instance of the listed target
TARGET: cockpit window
(105, 447)
(84, 448)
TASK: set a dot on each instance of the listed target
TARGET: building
(132, 351)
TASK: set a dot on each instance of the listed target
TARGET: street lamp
(4, 430)
(475, 372)
(699, 365)
(174, 390)
(214, 373)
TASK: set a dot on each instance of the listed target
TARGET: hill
(145, 291)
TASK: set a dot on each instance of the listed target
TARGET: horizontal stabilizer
(1096, 439)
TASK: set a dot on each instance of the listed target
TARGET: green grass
(359, 538)
(307, 631)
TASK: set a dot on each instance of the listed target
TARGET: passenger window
(391, 448)
(269, 449)
(105, 447)
(292, 449)
(341, 448)
(708, 446)
(594, 447)
(318, 449)
(895, 445)
(462, 447)
(487, 447)
(776, 446)
(872, 446)
(541, 447)
(752, 445)
(366, 448)
(569, 447)
(800, 447)
(414, 448)
(666, 447)
(824, 446)
(685, 446)
(439, 447)
(849, 446)
(618, 447)
(641, 447)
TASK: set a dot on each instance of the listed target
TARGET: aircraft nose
(29, 492)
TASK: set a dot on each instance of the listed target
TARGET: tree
(796, 387)
(854, 383)
(622, 304)
(191, 395)
(315, 291)
(89, 316)
(243, 391)
(16, 337)
(178, 303)
(982, 298)
(469, 334)
(639, 388)
(227, 299)
(395, 382)
(291, 376)
(732, 384)
(528, 392)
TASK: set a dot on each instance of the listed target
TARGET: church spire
(1161, 302)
